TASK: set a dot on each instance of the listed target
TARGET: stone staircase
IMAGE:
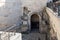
(34, 36)
(24, 25)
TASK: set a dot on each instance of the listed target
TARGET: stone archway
(34, 22)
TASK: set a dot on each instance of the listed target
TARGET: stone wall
(54, 22)
(12, 10)
(10, 36)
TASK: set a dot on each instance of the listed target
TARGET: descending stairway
(33, 36)
(24, 25)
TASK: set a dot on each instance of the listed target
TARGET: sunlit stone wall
(10, 36)
(12, 10)
(54, 22)
(34, 5)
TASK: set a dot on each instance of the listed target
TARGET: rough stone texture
(10, 36)
(12, 10)
(33, 36)
(54, 22)
(10, 13)
(34, 5)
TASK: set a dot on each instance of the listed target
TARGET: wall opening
(55, 0)
(34, 22)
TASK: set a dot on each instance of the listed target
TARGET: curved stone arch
(29, 18)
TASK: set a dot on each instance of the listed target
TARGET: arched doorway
(34, 22)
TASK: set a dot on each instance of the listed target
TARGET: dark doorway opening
(34, 22)
(55, 0)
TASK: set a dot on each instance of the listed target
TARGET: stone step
(24, 28)
(34, 36)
